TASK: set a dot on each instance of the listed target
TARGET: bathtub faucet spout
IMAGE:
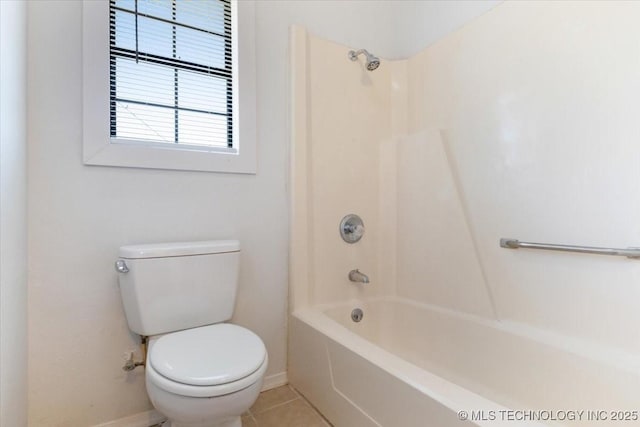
(357, 276)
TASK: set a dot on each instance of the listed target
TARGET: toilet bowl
(207, 376)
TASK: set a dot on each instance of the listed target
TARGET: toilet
(200, 370)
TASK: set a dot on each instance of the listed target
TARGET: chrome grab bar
(633, 253)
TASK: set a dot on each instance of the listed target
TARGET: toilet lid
(209, 355)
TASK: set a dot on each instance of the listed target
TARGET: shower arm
(353, 54)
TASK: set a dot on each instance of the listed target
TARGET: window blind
(171, 71)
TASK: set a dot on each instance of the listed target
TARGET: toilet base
(231, 422)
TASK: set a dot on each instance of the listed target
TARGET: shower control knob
(351, 228)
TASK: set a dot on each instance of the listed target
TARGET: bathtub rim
(610, 356)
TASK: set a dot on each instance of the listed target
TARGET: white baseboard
(152, 417)
(141, 419)
(275, 380)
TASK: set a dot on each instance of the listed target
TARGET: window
(178, 87)
(171, 71)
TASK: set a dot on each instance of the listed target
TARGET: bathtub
(408, 364)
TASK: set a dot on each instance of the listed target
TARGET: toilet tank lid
(162, 250)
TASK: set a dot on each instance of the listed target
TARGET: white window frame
(99, 148)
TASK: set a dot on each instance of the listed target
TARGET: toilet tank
(174, 286)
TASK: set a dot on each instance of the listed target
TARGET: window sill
(123, 153)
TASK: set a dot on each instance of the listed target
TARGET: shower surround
(521, 124)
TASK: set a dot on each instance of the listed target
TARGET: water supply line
(131, 364)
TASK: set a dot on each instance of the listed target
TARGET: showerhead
(373, 61)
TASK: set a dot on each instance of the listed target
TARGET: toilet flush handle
(121, 266)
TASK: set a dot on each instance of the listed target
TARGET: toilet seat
(209, 355)
(207, 361)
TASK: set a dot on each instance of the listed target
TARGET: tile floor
(282, 407)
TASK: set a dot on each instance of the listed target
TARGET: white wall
(537, 105)
(392, 29)
(343, 117)
(80, 215)
(436, 261)
(13, 214)
(420, 23)
(348, 162)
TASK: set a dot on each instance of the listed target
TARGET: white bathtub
(408, 364)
